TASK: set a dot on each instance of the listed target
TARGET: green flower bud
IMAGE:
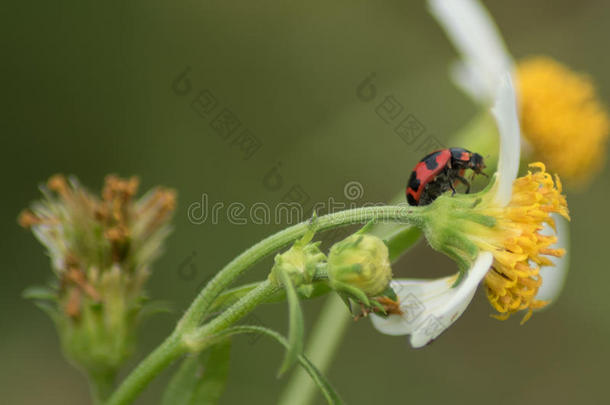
(299, 262)
(360, 262)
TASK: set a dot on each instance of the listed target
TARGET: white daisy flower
(497, 233)
(484, 57)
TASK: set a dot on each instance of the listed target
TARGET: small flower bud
(360, 262)
(299, 262)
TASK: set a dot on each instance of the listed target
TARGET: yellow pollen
(518, 247)
(562, 118)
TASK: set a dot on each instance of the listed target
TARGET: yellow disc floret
(562, 118)
(463, 226)
(518, 246)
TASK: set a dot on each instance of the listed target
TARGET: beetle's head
(476, 163)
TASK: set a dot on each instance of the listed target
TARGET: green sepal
(367, 227)
(44, 298)
(306, 290)
(376, 305)
(389, 293)
(38, 292)
(352, 292)
(312, 228)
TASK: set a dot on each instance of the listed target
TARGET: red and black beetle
(440, 171)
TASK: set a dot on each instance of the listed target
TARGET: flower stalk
(191, 335)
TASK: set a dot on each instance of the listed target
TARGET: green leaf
(180, 388)
(325, 387)
(201, 378)
(296, 328)
(210, 388)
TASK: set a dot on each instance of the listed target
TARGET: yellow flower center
(517, 244)
(562, 118)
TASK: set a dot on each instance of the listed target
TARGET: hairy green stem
(197, 339)
(168, 351)
(237, 266)
(101, 386)
(189, 329)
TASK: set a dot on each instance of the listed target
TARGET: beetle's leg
(452, 188)
(464, 181)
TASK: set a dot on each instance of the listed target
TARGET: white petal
(468, 78)
(417, 299)
(554, 277)
(431, 306)
(477, 38)
(505, 113)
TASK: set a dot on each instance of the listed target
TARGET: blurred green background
(88, 91)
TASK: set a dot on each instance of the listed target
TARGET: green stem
(197, 340)
(237, 266)
(188, 327)
(324, 341)
(101, 386)
(168, 351)
(178, 344)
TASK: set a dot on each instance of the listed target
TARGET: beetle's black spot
(430, 160)
(414, 182)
